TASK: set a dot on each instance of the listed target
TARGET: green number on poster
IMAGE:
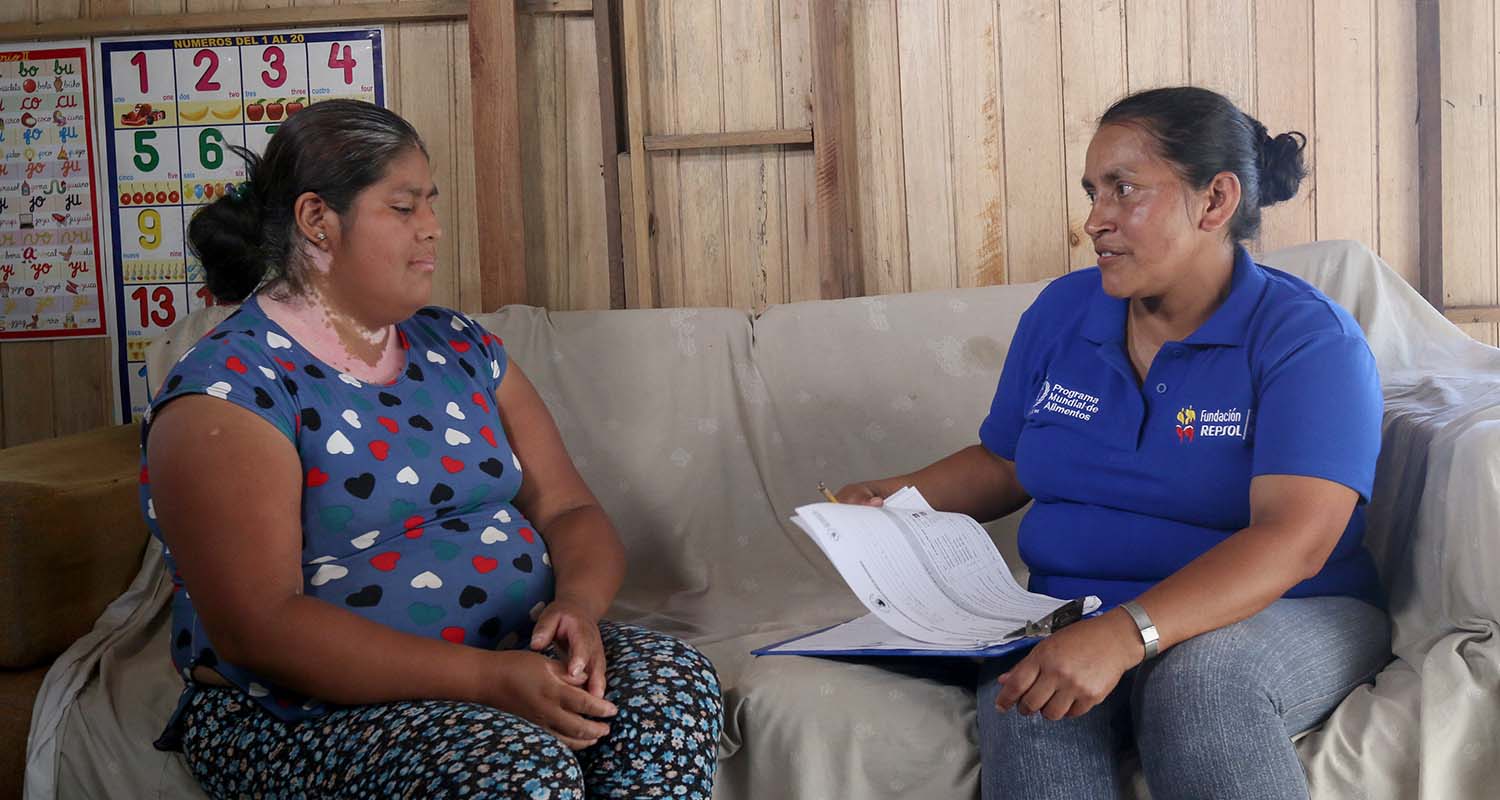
(146, 157)
(210, 153)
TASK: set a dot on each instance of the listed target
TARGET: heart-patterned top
(407, 515)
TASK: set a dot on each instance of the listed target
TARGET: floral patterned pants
(663, 742)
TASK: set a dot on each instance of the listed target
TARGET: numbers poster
(50, 283)
(172, 107)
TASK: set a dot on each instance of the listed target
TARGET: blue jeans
(1211, 717)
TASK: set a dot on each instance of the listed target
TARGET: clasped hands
(560, 695)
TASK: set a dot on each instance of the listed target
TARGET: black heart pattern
(441, 493)
(469, 368)
(522, 562)
(311, 420)
(472, 596)
(174, 383)
(312, 369)
(492, 467)
(456, 525)
(419, 421)
(184, 639)
(413, 371)
(491, 628)
(364, 598)
(291, 386)
(361, 485)
(387, 399)
(262, 399)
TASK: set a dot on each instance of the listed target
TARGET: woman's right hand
(861, 494)
(537, 688)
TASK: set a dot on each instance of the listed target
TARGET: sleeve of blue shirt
(1002, 428)
(1319, 413)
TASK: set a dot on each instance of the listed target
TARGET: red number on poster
(165, 313)
(139, 62)
(346, 63)
(274, 57)
(207, 83)
(205, 295)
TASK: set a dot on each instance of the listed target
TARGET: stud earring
(322, 236)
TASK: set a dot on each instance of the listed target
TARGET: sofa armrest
(71, 538)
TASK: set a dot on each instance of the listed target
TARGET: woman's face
(1144, 219)
(385, 248)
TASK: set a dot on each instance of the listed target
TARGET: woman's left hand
(1071, 671)
(576, 633)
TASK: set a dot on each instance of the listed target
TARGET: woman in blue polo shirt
(1198, 434)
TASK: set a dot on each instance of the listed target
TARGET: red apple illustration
(293, 106)
(30, 85)
(275, 108)
(255, 111)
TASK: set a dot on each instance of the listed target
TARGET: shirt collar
(1105, 321)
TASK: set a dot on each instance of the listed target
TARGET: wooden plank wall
(56, 388)
(972, 119)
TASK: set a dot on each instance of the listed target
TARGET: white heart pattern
(547, 559)
(502, 515)
(338, 444)
(427, 580)
(328, 572)
(184, 356)
(408, 476)
(436, 357)
(220, 390)
(492, 534)
(277, 341)
(365, 540)
(151, 508)
(322, 560)
(494, 369)
(455, 438)
(270, 376)
(351, 418)
(453, 411)
(457, 323)
(515, 461)
(351, 381)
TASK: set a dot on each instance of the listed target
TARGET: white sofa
(702, 429)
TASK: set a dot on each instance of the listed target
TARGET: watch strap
(1149, 637)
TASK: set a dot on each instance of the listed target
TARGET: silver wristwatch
(1149, 637)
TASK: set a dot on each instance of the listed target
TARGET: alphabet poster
(171, 109)
(49, 255)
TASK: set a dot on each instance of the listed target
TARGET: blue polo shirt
(1132, 480)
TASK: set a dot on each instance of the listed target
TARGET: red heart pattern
(459, 534)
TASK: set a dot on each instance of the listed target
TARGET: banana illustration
(193, 116)
(228, 115)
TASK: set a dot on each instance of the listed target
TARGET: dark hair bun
(226, 236)
(1281, 167)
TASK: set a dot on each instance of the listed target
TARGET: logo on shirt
(1220, 423)
(1059, 399)
(1185, 419)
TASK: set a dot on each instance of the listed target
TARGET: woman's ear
(317, 223)
(1223, 195)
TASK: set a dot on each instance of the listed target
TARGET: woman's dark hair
(1202, 134)
(336, 149)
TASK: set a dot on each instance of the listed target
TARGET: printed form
(932, 580)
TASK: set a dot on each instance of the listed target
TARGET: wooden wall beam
(495, 98)
(840, 274)
(366, 14)
(633, 39)
(1429, 153)
(1472, 314)
(604, 45)
(560, 6)
(703, 141)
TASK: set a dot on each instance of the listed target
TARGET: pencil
(826, 493)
